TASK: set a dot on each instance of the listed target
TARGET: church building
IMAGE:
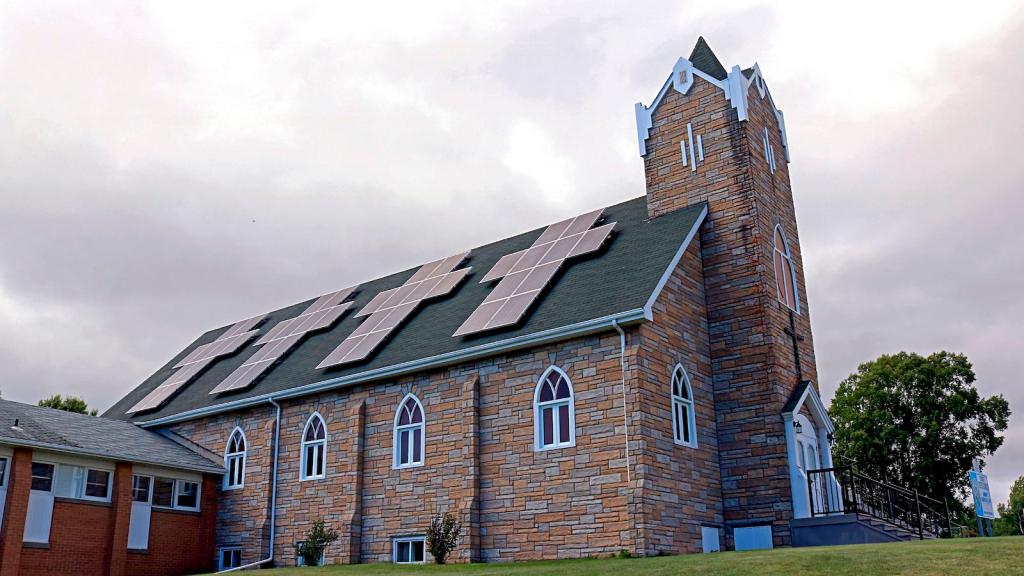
(640, 377)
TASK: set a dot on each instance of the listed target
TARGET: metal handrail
(843, 490)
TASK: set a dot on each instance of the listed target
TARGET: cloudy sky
(168, 167)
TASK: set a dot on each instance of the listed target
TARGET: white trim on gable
(649, 306)
(736, 87)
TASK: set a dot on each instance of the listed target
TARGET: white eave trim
(817, 406)
(454, 357)
(649, 307)
(61, 449)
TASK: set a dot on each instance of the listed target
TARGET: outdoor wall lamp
(798, 427)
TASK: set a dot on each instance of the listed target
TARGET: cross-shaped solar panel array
(525, 273)
(284, 336)
(196, 361)
(389, 308)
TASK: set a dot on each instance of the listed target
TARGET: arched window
(554, 413)
(409, 437)
(234, 460)
(785, 276)
(684, 421)
(314, 448)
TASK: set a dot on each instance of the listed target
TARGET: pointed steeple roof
(705, 60)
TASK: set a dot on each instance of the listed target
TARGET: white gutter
(578, 329)
(273, 496)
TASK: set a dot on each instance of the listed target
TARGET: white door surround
(807, 445)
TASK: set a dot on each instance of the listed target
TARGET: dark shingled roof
(619, 278)
(705, 60)
(62, 431)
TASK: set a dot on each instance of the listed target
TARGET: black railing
(843, 490)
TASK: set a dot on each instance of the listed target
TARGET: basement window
(230, 557)
(300, 561)
(408, 550)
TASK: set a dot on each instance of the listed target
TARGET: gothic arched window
(314, 448)
(234, 460)
(554, 411)
(409, 433)
(785, 276)
(684, 421)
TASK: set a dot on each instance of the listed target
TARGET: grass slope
(974, 556)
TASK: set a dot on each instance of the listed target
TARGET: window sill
(36, 545)
(69, 500)
(554, 447)
(686, 444)
(232, 488)
(184, 511)
(312, 478)
(406, 466)
(140, 551)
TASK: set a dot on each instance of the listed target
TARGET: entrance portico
(807, 442)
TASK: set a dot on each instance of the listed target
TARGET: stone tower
(716, 135)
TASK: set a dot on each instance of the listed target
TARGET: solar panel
(388, 309)
(524, 274)
(196, 361)
(321, 314)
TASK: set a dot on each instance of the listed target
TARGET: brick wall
(180, 542)
(79, 541)
(90, 538)
(751, 357)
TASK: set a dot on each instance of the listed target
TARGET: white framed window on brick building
(314, 448)
(684, 421)
(234, 460)
(785, 273)
(176, 494)
(82, 483)
(408, 550)
(230, 557)
(554, 411)
(409, 441)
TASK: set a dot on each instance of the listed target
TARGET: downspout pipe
(273, 495)
(625, 423)
(625, 404)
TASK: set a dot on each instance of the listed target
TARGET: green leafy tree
(68, 404)
(316, 541)
(1011, 514)
(917, 421)
(443, 536)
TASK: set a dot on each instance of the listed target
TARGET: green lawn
(974, 556)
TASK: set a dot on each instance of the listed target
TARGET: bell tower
(716, 135)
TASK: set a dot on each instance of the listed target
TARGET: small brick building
(640, 377)
(91, 496)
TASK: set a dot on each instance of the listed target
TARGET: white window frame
(149, 498)
(80, 481)
(411, 540)
(221, 565)
(787, 259)
(4, 470)
(538, 414)
(410, 428)
(53, 476)
(686, 404)
(323, 452)
(238, 457)
(175, 492)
